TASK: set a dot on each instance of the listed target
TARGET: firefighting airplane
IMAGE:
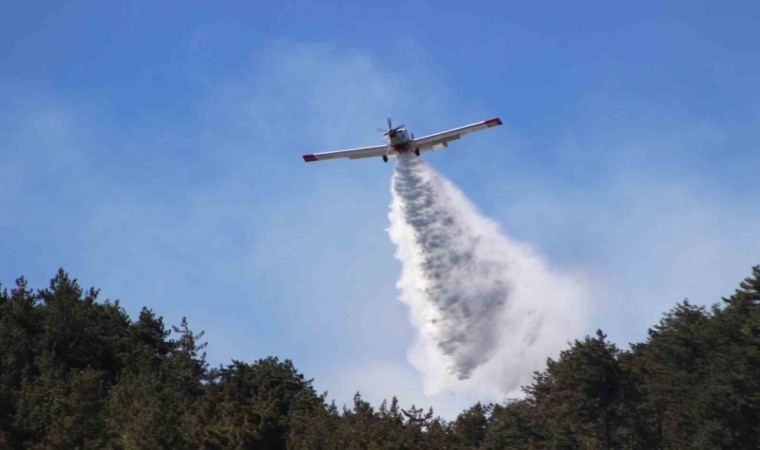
(402, 141)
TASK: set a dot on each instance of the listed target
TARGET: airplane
(402, 141)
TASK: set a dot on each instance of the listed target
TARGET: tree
(152, 405)
(147, 408)
(77, 354)
(579, 396)
(470, 426)
(514, 425)
(736, 366)
(255, 403)
(20, 328)
(77, 373)
(674, 366)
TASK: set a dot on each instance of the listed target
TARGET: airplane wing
(439, 140)
(354, 153)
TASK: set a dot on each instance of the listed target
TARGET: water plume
(487, 309)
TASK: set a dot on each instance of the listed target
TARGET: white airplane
(402, 141)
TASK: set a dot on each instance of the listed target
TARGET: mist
(488, 310)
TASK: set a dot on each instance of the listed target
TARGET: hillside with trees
(76, 372)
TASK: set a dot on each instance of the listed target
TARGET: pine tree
(255, 403)
(674, 365)
(735, 375)
(470, 426)
(579, 396)
(20, 330)
(514, 426)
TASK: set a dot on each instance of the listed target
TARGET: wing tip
(310, 158)
(493, 122)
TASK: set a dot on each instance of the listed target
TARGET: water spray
(485, 307)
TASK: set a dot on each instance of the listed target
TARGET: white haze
(488, 310)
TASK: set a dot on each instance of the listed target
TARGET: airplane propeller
(391, 129)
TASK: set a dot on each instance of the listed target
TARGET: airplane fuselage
(400, 140)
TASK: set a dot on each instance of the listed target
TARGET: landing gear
(385, 158)
(417, 151)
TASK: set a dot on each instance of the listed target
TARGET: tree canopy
(79, 373)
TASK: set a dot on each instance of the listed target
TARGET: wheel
(385, 158)
(417, 151)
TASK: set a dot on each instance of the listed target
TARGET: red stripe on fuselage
(493, 122)
(309, 158)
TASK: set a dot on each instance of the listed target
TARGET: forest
(77, 372)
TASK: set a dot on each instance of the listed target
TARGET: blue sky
(153, 150)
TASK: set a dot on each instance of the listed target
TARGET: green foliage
(78, 373)
(20, 328)
(252, 405)
(580, 396)
(364, 427)
(470, 427)
(514, 425)
(736, 366)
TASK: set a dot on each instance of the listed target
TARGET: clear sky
(152, 149)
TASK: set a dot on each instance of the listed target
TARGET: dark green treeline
(78, 373)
